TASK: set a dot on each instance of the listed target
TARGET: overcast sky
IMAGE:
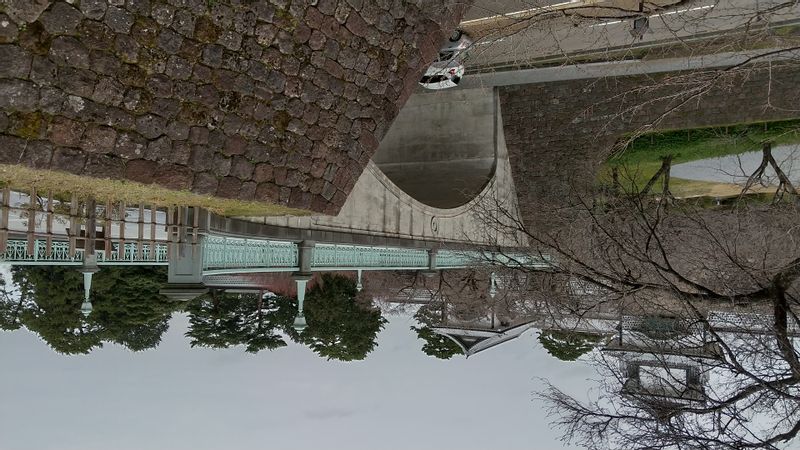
(176, 397)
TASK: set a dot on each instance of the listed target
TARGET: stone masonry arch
(280, 101)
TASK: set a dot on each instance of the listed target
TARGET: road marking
(683, 10)
(604, 24)
(654, 15)
(515, 14)
(489, 42)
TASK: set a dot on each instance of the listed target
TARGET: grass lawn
(64, 184)
(642, 158)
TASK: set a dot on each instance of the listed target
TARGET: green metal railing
(344, 257)
(17, 253)
(235, 253)
(228, 255)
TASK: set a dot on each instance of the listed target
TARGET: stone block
(61, 19)
(241, 168)
(229, 187)
(69, 160)
(15, 62)
(12, 149)
(140, 170)
(104, 166)
(99, 139)
(65, 132)
(173, 176)
(118, 19)
(93, 9)
(205, 183)
(38, 154)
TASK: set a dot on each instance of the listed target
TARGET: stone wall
(559, 133)
(282, 101)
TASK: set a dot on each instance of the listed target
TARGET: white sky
(175, 397)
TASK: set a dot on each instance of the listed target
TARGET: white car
(447, 70)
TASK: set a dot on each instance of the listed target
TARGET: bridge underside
(441, 148)
(434, 175)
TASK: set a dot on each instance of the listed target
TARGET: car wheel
(456, 35)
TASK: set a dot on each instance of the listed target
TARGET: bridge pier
(185, 256)
(184, 272)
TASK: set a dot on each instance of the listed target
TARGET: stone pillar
(185, 271)
(305, 254)
(431, 270)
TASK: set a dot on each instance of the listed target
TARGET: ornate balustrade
(348, 257)
(453, 259)
(226, 254)
(130, 254)
(233, 253)
(746, 322)
(17, 252)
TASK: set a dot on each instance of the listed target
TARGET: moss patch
(285, 20)
(27, 125)
(280, 121)
(205, 30)
(64, 184)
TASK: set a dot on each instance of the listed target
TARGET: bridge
(213, 100)
(199, 248)
(388, 187)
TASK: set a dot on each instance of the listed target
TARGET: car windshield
(446, 55)
(432, 79)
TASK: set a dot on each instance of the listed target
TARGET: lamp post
(301, 280)
(88, 269)
(305, 256)
(89, 266)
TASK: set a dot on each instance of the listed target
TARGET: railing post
(431, 270)
(89, 243)
(432, 259)
(31, 235)
(305, 255)
(73, 230)
(4, 218)
(49, 223)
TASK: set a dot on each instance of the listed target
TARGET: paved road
(565, 36)
(614, 69)
(483, 9)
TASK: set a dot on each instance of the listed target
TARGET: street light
(88, 268)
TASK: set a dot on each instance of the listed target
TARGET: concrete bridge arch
(433, 174)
